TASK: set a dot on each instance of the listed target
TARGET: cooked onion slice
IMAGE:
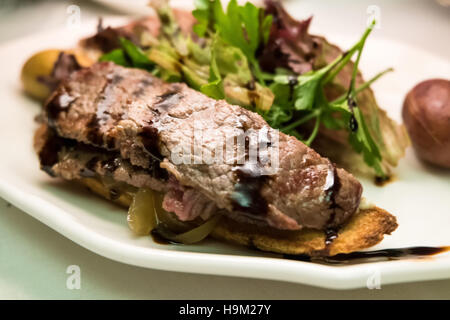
(146, 214)
(141, 214)
(192, 236)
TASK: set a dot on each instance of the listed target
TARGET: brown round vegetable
(40, 65)
(426, 113)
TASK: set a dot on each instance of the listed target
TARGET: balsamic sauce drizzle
(330, 232)
(251, 177)
(159, 239)
(353, 124)
(382, 181)
(246, 196)
(330, 235)
(372, 256)
(292, 82)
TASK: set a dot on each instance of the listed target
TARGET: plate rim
(331, 277)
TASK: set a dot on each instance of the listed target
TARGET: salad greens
(244, 27)
(221, 59)
(129, 55)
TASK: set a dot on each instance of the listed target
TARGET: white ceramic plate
(419, 198)
(139, 7)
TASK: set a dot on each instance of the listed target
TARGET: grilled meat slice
(143, 119)
(71, 160)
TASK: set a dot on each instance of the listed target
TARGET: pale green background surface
(34, 258)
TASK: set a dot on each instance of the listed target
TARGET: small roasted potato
(41, 65)
(426, 113)
(37, 66)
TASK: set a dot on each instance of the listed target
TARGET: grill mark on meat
(106, 100)
(48, 155)
(149, 138)
(116, 79)
(56, 105)
(168, 100)
(94, 135)
(139, 92)
(89, 170)
(143, 84)
(147, 81)
(150, 133)
(111, 165)
(157, 172)
(110, 143)
(103, 115)
(69, 158)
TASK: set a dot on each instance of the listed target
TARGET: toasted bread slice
(366, 228)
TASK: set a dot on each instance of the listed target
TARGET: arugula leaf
(117, 56)
(129, 55)
(137, 56)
